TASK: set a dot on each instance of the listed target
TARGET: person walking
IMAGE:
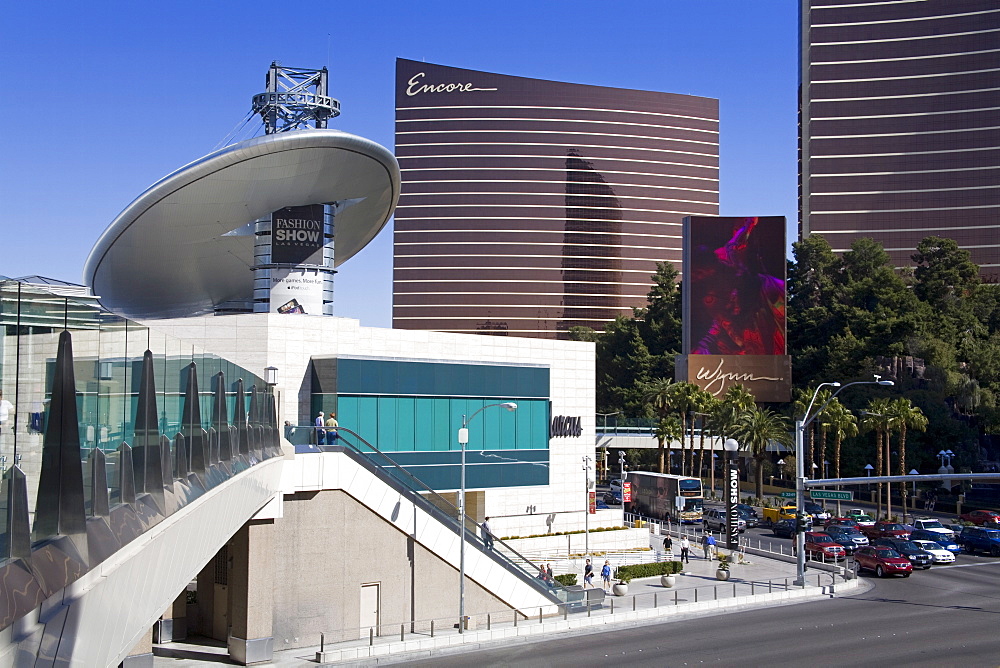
(487, 534)
(668, 545)
(685, 550)
(588, 575)
(548, 571)
(710, 544)
(606, 575)
(704, 544)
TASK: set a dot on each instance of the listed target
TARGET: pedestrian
(704, 544)
(606, 575)
(668, 545)
(685, 550)
(588, 575)
(548, 571)
(320, 434)
(710, 541)
(487, 534)
(331, 429)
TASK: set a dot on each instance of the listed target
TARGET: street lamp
(781, 469)
(800, 474)
(732, 495)
(463, 440)
(586, 505)
(913, 504)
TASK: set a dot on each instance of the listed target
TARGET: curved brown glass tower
(530, 206)
(901, 125)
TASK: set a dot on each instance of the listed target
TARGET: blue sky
(104, 98)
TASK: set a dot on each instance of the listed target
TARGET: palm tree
(658, 395)
(905, 415)
(667, 431)
(756, 430)
(705, 408)
(843, 425)
(877, 419)
(683, 399)
(736, 401)
(802, 401)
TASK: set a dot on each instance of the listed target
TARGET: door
(369, 609)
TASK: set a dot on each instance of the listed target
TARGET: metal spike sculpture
(147, 454)
(240, 421)
(220, 419)
(191, 423)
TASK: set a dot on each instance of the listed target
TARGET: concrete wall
(327, 545)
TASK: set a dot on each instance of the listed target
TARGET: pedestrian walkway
(759, 581)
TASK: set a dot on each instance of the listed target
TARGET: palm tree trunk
(701, 450)
(878, 471)
(661, 453)
(683, 453)
(836, 463)
(888, 471)
(759, 486)
(902, 465)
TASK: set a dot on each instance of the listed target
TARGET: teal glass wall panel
(390, 377)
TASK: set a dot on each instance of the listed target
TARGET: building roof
(171, 252)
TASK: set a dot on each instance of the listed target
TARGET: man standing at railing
(331, 429)
(320, 433)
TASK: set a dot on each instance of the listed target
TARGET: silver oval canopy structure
(172, 253)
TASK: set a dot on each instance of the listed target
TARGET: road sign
(788, 495)
(831, 495)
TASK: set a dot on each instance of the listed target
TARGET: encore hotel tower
(901, 125)
(529, 207)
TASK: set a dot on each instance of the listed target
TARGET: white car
(616, 486)
(941, 555)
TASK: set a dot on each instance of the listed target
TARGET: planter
(668, 580)
(721, 575)
(620, 589)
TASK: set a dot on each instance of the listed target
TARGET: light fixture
(271, 375)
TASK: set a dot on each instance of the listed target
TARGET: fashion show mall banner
(297, 241)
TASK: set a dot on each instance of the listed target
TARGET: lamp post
(463, 440)
(732, 495)
(586, 506)
(800, 474)
(781, 469)
(913, 495)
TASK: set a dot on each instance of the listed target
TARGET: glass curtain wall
(108, 353)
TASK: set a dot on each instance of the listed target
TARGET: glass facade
(529, 207)
(413, 410)
(108, 352)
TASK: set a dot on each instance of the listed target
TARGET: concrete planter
(721, 575)
(668, 580)
(619, 589)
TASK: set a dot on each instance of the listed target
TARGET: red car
(980, 517)
(886, 530)
(883, 560)
(823, 547)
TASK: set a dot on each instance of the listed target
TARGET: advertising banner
(767, 377)
(297, 235)
(296, 290)
(626, 492)
(592, 503)
(734, 285)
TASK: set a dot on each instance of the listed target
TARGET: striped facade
(529, 207)
(900, 126)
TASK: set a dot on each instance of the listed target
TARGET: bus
(664, 496)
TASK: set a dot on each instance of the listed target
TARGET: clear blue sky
(102, 99)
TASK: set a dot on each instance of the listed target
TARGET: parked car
(919, 557)
(980, 517)
(823, 547)
(600, 505)
(613, 498)
(940, 554)
(784, 528)
(861, 517)
(848, 532)
(751, 520)
(842, 521)
(715, 520)
(885, 530)
(980, 539)
(819, 513)
(616, 486)
(883, 560)
(933, 525)
(946, 543)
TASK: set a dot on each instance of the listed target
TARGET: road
(945, 616)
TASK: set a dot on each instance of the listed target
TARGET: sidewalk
(762, 581)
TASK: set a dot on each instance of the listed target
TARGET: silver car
(715, 520)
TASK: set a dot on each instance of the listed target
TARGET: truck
(772, 515)
(934, 526)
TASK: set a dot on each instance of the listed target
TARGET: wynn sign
(734, 306)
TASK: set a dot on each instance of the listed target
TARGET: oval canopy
(171, 253)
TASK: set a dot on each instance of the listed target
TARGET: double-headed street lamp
(463, 440)
(800, 469)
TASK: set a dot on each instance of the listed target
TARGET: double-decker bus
(663, 496)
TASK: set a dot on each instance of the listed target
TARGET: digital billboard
(734, 304)
(734, 285)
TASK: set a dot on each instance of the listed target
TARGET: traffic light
(621, 457)
(803, 522)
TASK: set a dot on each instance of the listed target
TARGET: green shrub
(648, 570)
(566, 579)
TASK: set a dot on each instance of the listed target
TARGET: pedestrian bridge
(91, 576)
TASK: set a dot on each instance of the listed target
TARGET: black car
(919, 557)
(784, 528)
(613, 498)
(750, 519)
(844, 541)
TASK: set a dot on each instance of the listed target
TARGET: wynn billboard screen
(734, 285)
